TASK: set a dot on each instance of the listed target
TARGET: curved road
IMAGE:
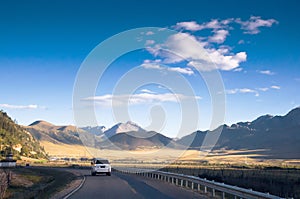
(129, 186)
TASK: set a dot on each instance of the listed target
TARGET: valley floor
(165, 156)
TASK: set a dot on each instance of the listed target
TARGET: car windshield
(101, 162)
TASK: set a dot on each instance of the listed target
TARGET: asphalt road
(129, 186)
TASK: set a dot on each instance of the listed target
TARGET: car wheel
(108, 173)
(93, 173)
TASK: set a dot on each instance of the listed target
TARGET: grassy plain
(167, 156)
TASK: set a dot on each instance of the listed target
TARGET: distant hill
(17, 140)
(45, 131)
(137, 140)
(279, 136)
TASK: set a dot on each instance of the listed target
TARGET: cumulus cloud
(198, 55)
(266, 72)
(140, 98)
(206, 53)
(188, 25)
(10, 106)
(219, 36)
(194, 26)
(252, 25)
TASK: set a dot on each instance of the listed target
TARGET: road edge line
(76, 189)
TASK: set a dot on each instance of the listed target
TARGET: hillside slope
(45, 131)
(17, 140)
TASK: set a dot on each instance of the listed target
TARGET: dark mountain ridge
(279, 136)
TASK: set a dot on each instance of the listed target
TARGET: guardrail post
(198, 187)
(205, 189)
(223, 195)
(176, 181)
(187, 184)
(192, 185)
(213, 193)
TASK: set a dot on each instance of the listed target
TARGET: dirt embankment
(39, 182)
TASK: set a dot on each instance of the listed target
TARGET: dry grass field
(166, 156)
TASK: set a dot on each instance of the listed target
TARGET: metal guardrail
(199, 184)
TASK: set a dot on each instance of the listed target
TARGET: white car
(100, 166)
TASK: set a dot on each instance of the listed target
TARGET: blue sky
(43, 43)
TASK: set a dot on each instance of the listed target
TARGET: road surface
(129, 186)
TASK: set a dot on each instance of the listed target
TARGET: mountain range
(276, 136)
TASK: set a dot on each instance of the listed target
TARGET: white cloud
(248, 90)
(266, 72)
(241, 41)
(149, 33)
(252, 25)
(136, 99)
(191, 25)
(194, 26)
(264, 89)
(146, 91)
(9, 106)
(186, 71)
(199, 52)
(155, 65)
(276, 87)
(238, 70)
(187, 47)
(151, 65)
(219, 36)
(149, 42)
(242, 90)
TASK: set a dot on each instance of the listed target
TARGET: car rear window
(102, 162)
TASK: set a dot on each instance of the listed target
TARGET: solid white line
(72, 192)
